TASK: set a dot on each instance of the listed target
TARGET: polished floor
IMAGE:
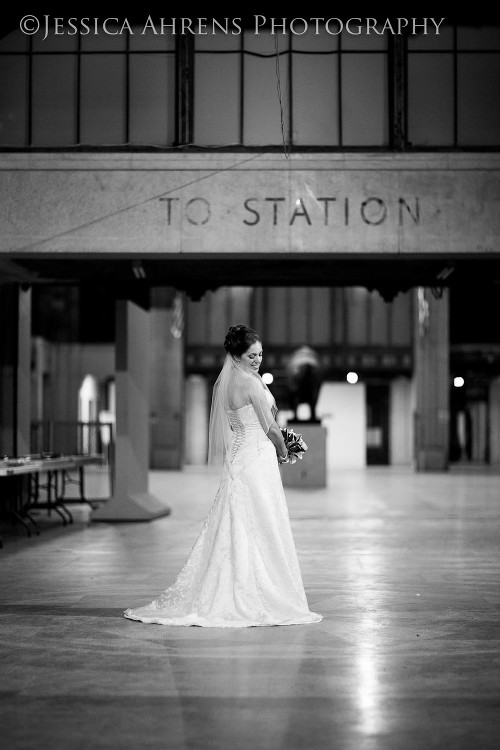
(405, 568)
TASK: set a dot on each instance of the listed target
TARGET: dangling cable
(278, 85)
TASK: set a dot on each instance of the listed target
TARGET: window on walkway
(454, 86)
(87, 89)
(307, 89)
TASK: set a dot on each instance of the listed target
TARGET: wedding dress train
(243, 569)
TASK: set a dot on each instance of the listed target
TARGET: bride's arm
(274, 434)
(267, 421)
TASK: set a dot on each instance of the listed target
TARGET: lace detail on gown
(243, 570)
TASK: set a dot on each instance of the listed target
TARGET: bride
(242, 570)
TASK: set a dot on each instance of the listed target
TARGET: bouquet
(295, 445)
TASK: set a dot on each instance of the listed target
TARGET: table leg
(52, 503)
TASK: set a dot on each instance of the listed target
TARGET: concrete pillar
(494, 421)
(479, 419)
(431, 373)
(196, 427)
(167, 378)
(400, 422)
(131, 500)
(15, 370)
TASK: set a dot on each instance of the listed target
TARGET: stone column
(167, 378)
(494, 421)
(15, 370)
(431, 373)
(196, 425)
(401, 439)
(131, 500)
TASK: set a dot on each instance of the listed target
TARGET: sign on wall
(169, 204)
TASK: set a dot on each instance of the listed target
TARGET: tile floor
(405, 568)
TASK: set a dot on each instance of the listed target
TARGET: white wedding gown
(243, 569)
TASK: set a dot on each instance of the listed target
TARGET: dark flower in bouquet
(295, 445)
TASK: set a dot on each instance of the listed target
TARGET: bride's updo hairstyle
(240, 338)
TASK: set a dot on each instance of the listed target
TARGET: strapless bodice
(245, 416)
